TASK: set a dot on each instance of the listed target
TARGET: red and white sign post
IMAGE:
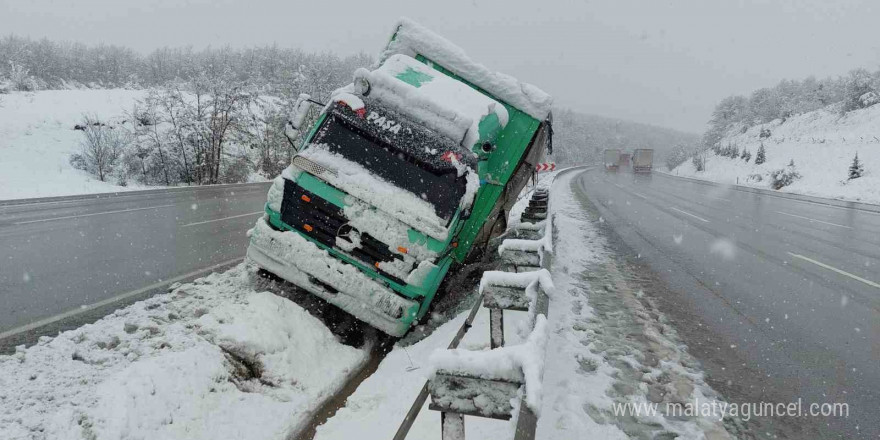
(546, 166)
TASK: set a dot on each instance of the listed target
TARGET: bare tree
(102, 146)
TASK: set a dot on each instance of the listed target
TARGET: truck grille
(324, 221)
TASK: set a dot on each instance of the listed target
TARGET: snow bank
(211, 359)
(37, 139)
(412, 39)
(607, 346)
(822, 144)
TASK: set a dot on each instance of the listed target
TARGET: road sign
(547, 166)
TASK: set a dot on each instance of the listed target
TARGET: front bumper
(303, 263)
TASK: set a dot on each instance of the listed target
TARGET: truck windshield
(399, 159)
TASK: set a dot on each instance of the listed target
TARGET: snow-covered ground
(822, 144)
(598, 355)
(221, 358)
(211, 359)
(37, 139)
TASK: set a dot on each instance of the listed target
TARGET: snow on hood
(440, 102)
(407, 207)
(410, 38)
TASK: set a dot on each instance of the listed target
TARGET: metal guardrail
(132, 193)
(451, 393)
(453, 423)
(416, 407)
(850, 204)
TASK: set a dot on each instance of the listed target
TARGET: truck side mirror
(300, 111)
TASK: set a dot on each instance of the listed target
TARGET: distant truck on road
(624, 161)
(643, 160)
(612, 159)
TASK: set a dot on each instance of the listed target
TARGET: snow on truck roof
(411, 39)
(451, 107)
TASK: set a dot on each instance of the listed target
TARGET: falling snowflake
(724, 248)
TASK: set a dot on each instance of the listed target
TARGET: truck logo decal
(383, 122)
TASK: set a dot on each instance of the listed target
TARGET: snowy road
(62, 256)
(778, 297)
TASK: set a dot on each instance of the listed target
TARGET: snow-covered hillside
(37, 138)
(822, 144)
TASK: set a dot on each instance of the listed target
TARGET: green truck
(407, 173)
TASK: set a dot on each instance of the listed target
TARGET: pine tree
(746, 156)
(856, 169)
(762, 155)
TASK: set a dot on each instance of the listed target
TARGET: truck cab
(404, 174)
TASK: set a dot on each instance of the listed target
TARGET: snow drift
(212, 359)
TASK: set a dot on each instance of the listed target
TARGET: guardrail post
(452, 425)
(526, 423)
(496, 328)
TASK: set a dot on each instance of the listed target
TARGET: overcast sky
(655, 61)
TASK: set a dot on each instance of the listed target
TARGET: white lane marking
(120, 297)
(640, 195)
(823, 205)
(814, 220)
(617, 185)
(90, 215)
(221, 219)
(687, 213)
(720, 198)
(821, 264)
(133, 193)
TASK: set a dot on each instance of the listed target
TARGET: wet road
(66, 255)
(779, 298)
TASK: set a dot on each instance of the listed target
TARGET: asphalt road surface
(65, 256)
(779, 298)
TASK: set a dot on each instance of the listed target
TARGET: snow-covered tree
(855, 86)
(101, 148)
(699, 161)
(746, 156)
(856, 169)
(676, 157)
(785, 176)
(20, 78)
(761, 157)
